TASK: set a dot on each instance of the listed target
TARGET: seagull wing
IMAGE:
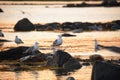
(2, 35)
(20, 41)
(29, 50)
(55, 42)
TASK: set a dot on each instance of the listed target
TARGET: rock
(4, 40)
(72, 64)
(115, 26)
(78, 30)
(105, 71)
(15, 53)
(86, 64)
(24, 25)
(35, 58)
(49, 61)
(65, 60)
(95, 57)
(67, 26)
(68, 35)
(70, 78)
(1, 10)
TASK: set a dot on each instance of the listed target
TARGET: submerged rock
(68, 35)
(105, 71)
(24, 25)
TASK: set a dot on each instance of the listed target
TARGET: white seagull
(18, 40)
(58, 41)
(33, 48)
(1, 33)
(96, 45)
(54, 51)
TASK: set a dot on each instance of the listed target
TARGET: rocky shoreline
(76, 27)
(103, 4)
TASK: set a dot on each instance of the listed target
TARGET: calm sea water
(41, 14)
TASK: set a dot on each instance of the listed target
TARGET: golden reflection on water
(82, 74)
(84, 42)
(28, 75)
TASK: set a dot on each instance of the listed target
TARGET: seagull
(58, 41)
(33, 48)
(18, 40)
(1, 33)
(96, 45)
(54, 51)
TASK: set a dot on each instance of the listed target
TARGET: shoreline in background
(69, 26)
(44, 2)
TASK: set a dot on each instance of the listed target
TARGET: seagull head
(36, 43)
(16, 36)
(59, 36)
(95, 40)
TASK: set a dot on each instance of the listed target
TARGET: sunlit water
(41, 14)
(82, 45)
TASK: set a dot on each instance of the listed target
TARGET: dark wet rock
(95, 57)
(110, 3)
(117, 22)
(65, 60)
(72, 64)
(105, 3)
(48, 26)
(111, 48)
(1, 10)
(49, 61)
(40, 27)
(15, 53)
(105, 71)
(67, 26)
(53, 26)
(4, 40)
(36, 58)
(68, 35)
(24, 25)
(115, 26)
(78, 30)
(86, 63)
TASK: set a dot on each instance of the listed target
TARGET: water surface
(41, 14)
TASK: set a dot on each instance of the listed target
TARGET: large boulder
(24, 25)
(66, 61)
(105, 71)
(96, 57)
(15, 53)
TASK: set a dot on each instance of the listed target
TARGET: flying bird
(18, 40)
(1, 33)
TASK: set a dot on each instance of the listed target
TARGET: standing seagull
(33, 48)
(58, 41)
(96, 45)
(1, 33)
(18, 40)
